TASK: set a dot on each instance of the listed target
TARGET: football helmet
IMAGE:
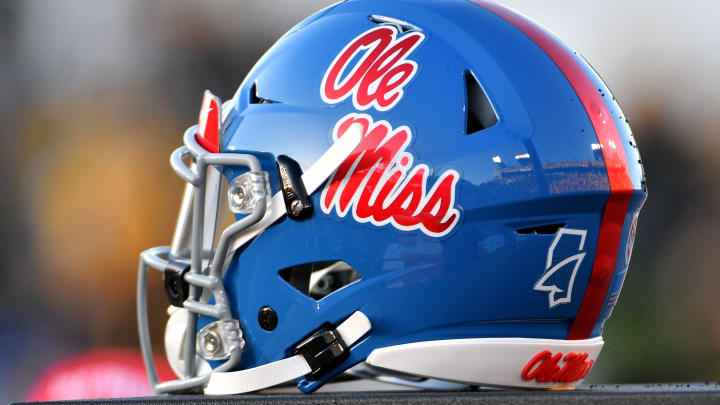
(427, 189)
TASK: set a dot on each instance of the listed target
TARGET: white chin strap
(277, 372)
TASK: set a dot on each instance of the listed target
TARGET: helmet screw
(211, 342)
(296, 207)
(239, 195)
(267, 318)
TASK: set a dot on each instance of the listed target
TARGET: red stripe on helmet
(209, 123)
(621, 186)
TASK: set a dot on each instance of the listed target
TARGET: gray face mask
(194, 264)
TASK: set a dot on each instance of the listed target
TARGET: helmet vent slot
(400, 25)
(317, 280)
(551, 229)
(256, 99)
(479, 112)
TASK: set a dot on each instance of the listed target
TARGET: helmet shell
(539, 165)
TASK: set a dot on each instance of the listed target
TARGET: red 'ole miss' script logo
(547, 367)
(372, 68)
(378, 183)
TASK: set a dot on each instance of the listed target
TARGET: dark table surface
(690, 393)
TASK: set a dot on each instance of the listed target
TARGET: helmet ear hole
(320, 279)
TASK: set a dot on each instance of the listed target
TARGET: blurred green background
(95, 95)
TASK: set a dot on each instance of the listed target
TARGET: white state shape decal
(555, 296)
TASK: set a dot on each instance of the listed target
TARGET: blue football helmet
(418, 189)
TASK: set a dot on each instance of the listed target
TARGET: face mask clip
(297, 201)
(176, 288)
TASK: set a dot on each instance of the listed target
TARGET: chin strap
(325, 349)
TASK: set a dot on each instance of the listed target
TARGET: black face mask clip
(297, 201)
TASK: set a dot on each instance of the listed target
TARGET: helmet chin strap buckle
(318, 354)
(323, 350)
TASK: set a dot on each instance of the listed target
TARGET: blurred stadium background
(95, 95)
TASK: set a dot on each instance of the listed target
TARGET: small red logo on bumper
(546, 367)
